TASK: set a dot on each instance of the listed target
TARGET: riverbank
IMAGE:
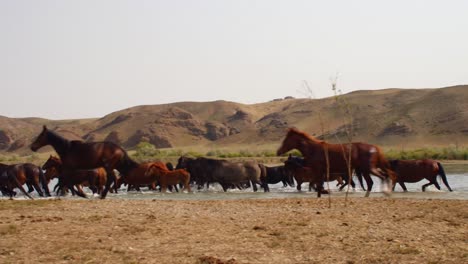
(294, 230)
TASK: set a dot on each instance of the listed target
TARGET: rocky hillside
(406, 117)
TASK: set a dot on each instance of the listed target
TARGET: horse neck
(59, 144)
(305, 145)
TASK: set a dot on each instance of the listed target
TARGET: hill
(389, 117)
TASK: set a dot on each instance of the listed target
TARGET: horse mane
(56, 138)
(304, 135)
(127, 164)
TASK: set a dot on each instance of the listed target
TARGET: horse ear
(44, 127)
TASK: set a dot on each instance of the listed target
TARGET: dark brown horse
(295, 165)
(15, 176)
(366, 158)
(416, 170)
(77, 155)
(95, 179)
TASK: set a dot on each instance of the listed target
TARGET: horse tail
(43, 181)
(15, 180)
(443, 176)
(384, 164)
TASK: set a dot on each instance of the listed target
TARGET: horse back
(98, 154)
(415, 170)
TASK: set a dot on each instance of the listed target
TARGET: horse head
(289, 142)
(41, 140)
(52, 162)
(182, 162)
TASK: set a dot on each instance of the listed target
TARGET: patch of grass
(447, 153)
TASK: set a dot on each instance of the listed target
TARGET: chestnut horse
(95, 178)
(416, 170)
(138, 176)
(366, 158)
(78, 155)
(166, 177)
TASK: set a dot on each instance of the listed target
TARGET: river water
(458, 182)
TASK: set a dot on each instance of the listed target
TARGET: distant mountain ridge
(409, 117)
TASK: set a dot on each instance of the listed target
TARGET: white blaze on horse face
(373, 150)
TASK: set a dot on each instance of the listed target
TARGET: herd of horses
(93, 164)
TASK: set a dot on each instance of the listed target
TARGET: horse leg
(254, 186)
(359, 176)
(298, 187)
(425, 185)
(30, 187)
(436, 184)
(402, 184)
(320, 189)
(43, 181)
(79, 191)
(110, 179)
(19, 186)
(265, 186)
(38, 188)
(369, 182)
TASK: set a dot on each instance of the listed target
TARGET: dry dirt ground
(302, 230)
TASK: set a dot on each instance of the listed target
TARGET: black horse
(228, 174)
(79, 155)
(278, 174)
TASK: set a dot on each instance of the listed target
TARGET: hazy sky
(75, 59)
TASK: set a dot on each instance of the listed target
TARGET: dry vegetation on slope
(390, 117)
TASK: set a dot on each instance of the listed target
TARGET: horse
(31, 175)
(303, 174)
(15, 176)
(166, 177)
(78, 155)
(342, 158)
(416, 170)
(95, 179)
(278, 174)
(341, 178)
(227, 174)
(138, 176)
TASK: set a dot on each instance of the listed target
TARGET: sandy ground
(302, 230)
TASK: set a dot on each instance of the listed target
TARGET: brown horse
(138, 176)
(95, 179)
(307, 174)
(166, 177)
(77, 155)
(416, 170)
(15, 176)
(366, 158)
